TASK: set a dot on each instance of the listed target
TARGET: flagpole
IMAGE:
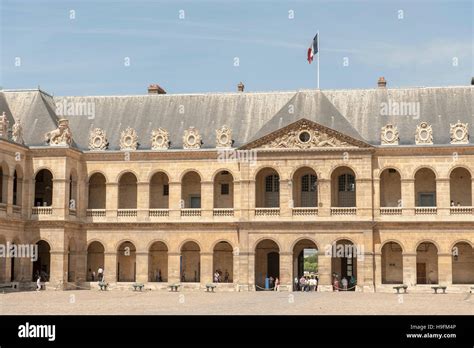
(319, 53)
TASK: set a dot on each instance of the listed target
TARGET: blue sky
(87, 55)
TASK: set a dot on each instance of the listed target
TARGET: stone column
(251, 271)
(58, 270)
(250, 200)
(141, 259)
(81, 266)
(364, 196)
(443, 196)
(236, 266)
(286, 193)
(324, 271)
(8, 264)
(324, 198)
(110, 267)
(175, 200)
(237, 199)
(409, 269)
(445, 269)
(408, 196)
(173, 267)
(378, 269)
(143, 200)
(207, 199)
(365, 271)
(206, 271)
(286, 270)
(9, 193)
(60, 198)
(111, 203)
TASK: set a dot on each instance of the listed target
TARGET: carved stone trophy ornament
(98, 140)
(17, 132)
(192, 139)
(3, 126)
(160, 139)
(389, 135)
(459, 133)
(62, 136)
(224, 137)
(424, 134)
(129, 139)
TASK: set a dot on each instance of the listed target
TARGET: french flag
(313, 49)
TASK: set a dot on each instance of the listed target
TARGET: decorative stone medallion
(424, 134)
(389, 135)
(160, 139)
(192, 139)
(224, 137)
(129, 139)
(459, 133)
(62, 136)
(98, 140)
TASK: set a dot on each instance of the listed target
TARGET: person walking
(302, 283)
(296, 284)
(100, 274)
(277, 284)
(344, 283)
(38, 283)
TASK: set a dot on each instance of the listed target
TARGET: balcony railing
(391, 211)
(158, 212)
(187, 212)
(127, 212)
(460, 210)
(223, 212)
(343, 211)
(42, 211)
(305, 211)
(426, 211)
(267, 211)
(95, 213)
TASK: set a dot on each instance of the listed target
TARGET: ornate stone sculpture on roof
(98, 140)
(61, 136)
(424, 134)
(129, 139)
(17, 132)
(389, 135)
(192, 139)
(3, 126)
(224, 137)
(160, 139)
(459, 133)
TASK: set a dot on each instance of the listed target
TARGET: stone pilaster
(173, 267)
(324, 198)
(207, 198)
(409, 269)
(175, 200)
(408, 196)
(143, 200)
(141, 259)
(110, 267)
(111, 203)
(445, 269)
(206, 268)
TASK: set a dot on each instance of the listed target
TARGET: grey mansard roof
(356, 113)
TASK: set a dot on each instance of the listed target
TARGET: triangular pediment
(305, 134)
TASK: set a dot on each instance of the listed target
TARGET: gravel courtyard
(221, 303)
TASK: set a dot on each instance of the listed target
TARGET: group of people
(218, 276)
(306, 283)
(99, 275)
(344, 284)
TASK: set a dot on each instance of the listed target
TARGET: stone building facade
(163, 189)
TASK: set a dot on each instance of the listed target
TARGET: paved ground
(199, 302)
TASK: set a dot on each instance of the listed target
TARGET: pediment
(305, 134)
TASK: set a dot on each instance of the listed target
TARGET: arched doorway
(425, 188)
(43, 189)
(463, 263)
(97, 191)
(267, 189)
(191, 191)
(305, 188)
(190, 270)
(426, 263)
(267, 263)
(42, 265)
(95, 260)
(344, 263)
(460, 188)
(392, 263)
(159, 191)
(305, 260)
(158, 262)
(223, 262)
(343, 187)
(126, 262)
(127, 191)
(224, 190)
(390, 188)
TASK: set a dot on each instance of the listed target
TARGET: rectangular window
(224, 189)
(166, 190)
(427, 199)
(196, 202)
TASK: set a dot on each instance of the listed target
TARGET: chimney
(155, 89)
(381, 83)
(240, 87)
